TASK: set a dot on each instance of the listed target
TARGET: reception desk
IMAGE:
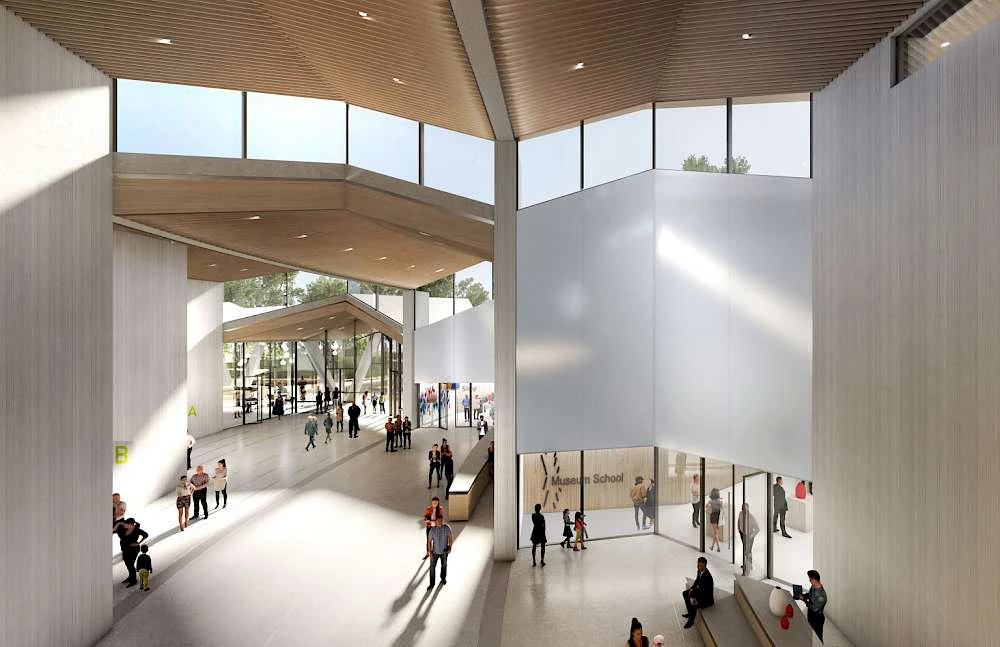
(471, 480)
(800, 514)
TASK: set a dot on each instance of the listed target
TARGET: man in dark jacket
(130, 538)
(780, 507)
(701, 595)
(353, 413)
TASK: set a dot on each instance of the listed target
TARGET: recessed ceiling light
(253, 218)
(212, 264)
(946, 43)
(412, 266)
(397, 80)
(298, 329)
(746, 36)
(303, 236)
(578, 66)
(243, 270)
(349, 249)
(363, 14)
(334, 317)
(424, 233)
(382, 258)
(163, 41)
(341, 328)
(440, 269)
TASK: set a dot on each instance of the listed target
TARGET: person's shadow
(418, 623)
(410, 589)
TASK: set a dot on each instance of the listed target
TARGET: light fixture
(397, 80)
(946, 43)
(578, 66)
(412, 266)
(341, 328)
(349, 249)
(746, 36)
(382, 258)
(243, 270)
(440, 269)
(424, 233)
(303, 236)
(253, 218)
(212, 264)
(333, 317)
(163, 41)
(298, 329)
(363, 14)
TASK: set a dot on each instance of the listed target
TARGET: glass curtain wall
(619, 491)
(691, 136)
(553, 480)
(679, 506)
(384, 143)
(427, 404)
(791, 555)
(458, 163)
(771, 135)
(751, 521)
(473, 286)
(617, 146)
(296, 128)
(718, 508)
(548, 166)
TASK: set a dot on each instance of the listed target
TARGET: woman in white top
(220, 481)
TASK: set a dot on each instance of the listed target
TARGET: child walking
(567, 529)
(145, 566)
(581, 532)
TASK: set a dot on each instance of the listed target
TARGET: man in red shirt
(432, 513)
(390, 436)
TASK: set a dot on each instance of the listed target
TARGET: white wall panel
(150, 364)
(457, 349)
(432, 350)
(205, 370)
(55, 342)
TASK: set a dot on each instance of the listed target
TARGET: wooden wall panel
(55, 343)
(907, 362)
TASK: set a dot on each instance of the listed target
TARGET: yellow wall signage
(121, 454)
(192, 411)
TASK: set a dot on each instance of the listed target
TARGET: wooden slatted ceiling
(640, 51)
(312, 48)
(209, 265)
(308, 321)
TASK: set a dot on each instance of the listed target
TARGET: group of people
(441, 459)
(196, 488)
(643, 501)
(326, 397)
(574, 532)
(438, 540)
(398, 433)
(333, 418)
(376, 401)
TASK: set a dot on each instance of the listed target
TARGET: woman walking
(340, 416)
(537, 533)
(434, 458)
(714, 513)
(328, 425)
(220, 482)
(311, 431)
(279, 406)
(567, 529)
(183, 493)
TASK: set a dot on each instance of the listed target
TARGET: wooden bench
(471, 480)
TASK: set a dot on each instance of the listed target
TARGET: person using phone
(815, 599)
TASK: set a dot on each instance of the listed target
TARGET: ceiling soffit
(309, 48)
(641, 51)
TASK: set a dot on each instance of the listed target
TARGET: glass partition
(691, 136)
(751, 521)
(792, 547)
(441, 298)
(427, 406)
(363, 291)
(390, 301)
(718, 508)
(295, 128)
(384, 143)
(548, 166)
(551, 479)
(458, 163)
(771, 135)
(171, 119)
(619, 491)
(679, 508)
(617, 146)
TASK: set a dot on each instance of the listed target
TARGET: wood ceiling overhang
(310, 48)
(641, 51)
(308, 321)
(396, 233)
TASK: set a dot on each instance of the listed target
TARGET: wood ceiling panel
(640, 51)
(141, 195)
(311, 48)
(209, 265)
(411, 260)
(309, 321)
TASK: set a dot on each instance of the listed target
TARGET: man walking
(190, 447)
(448, 465)
(438, 547)
(200, 495)
(780, 507)
(353, 413)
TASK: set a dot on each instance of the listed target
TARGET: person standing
(327, 396)
(279, 406)
(381, 402)
(490, 452)
(580, 526)
(780, 507)
(145, 566)
(567, 529)
(407, 432)
(695, 501)
(340, 417)
(701, 595)
(397, 430)
(190, 446)
(649, 504)
(118, 508)
(319, 401)
(390, 436)
(537, 533)
(638, 496)
(438, 547)
(635, 637)
(353, 413)
(311, 430)
(714, 514)
(434, 458)
(220, 482)
(336, 394)
(815, 600)
(465, 406)
(200, 482)
(131, 537)
(448, 466)
(183, 494)
(364, 402)
(431, 515)
(747, 525)
(328, 425)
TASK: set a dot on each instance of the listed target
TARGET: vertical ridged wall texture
(505, 338)
(205, 370)
(906, 250)
(55, 343)
(150, 365)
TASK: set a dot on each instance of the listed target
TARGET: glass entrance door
(752, 524)
(444, 400)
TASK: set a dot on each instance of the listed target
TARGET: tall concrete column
(409, 324)
(505, 329)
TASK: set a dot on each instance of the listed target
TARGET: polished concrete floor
(325, 547)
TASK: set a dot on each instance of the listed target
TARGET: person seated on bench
(701, 594)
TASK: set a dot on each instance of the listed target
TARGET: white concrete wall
(670, 309)
(55, 343)
(150, 364)
(205, 370)
(456, 349)
(907, 308)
